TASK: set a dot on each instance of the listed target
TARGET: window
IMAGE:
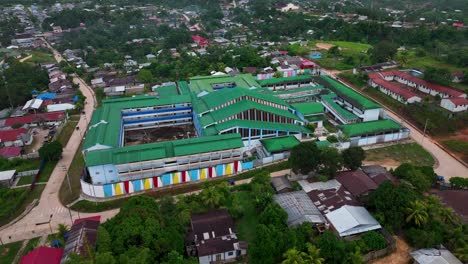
(218, 257)
(230, 253)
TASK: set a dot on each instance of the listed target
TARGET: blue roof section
(46, 96)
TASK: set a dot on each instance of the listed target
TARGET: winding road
(36, 222)
(446, 165)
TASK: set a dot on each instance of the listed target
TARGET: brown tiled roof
(332, 199)
(357, 182)
(214, 246)
(218, 221)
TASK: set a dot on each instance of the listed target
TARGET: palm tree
(447, 215)
(356, 257)
(211, 197)
(417, 213)
(312, 256)
(293, 256)
(462, 253)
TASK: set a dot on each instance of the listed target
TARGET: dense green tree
(145, 76)
(312, 255)
(51, 151)
(390, 203)
(331, 248)
(330, 161)
(353, 157)
(383, 51)
(305, 157)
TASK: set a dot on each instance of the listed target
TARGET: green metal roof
(244, 105)
(184, 87)
(299, 90)
(285, 79)
(204, 83)
(280, 144)
(379, 126)
(310, 108)
(104, 127)
(167, 91)
(343, 112)
(209, 101)
(161, 150)
(213, 130)
(349, 94)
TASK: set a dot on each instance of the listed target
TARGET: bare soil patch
(324, 46)
(400, 256)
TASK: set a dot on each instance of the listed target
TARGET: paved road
(49, 203)
(446, 165)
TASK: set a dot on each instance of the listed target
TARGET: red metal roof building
(10, 152)
(424, 86)
(12, 134)
(35, 118)
(201, 41)
(43, 255)
(395, 91)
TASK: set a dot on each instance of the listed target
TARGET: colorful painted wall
(128, 187)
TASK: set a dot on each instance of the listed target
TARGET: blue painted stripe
(194, 176)
(166, 179)
(107, 190)
(219, 170)
(156, 119)
(137, 185)
(154, 111)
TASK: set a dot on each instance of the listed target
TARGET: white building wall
(449, 105)
(224, 256)
(371, 115)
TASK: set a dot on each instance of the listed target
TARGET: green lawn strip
(15, 203)
(47, 171)
(410, 153)
(25, 180)
(32, 244)
(457, 145)
(74, 174)
(426, 61)
(8, 251)
(67, 130)
(93, 207)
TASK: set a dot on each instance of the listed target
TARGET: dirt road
(446, 165)
(50, 212)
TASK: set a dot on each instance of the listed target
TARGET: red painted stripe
(126, 186)
(210, 172)
(236, 166)
(155, 182)
(184, 176)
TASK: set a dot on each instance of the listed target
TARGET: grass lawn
(74, 173)
(457, 145)
(410, 153)
(47, 171)
(67, 130)
(25, 180)
(40, 56)
(246, 225)
(32, 244)
(384, 99)
(9, 251)
(15, 203)
(422, 63)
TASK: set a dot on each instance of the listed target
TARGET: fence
(27, 173)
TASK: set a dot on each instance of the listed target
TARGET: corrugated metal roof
(309, 108)
(350, 220)
(299, 207)
(285, 79)
(379, 126)
(349, 94)
(204, 83)
(280, 144)
(163, 150)
(343, 112)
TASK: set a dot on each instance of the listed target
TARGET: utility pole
(424, 132)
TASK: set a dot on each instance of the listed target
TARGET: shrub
(374, 241)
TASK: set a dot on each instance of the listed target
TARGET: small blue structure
(34, 91)
(315, 55)
(46, 96)
(74, 99)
